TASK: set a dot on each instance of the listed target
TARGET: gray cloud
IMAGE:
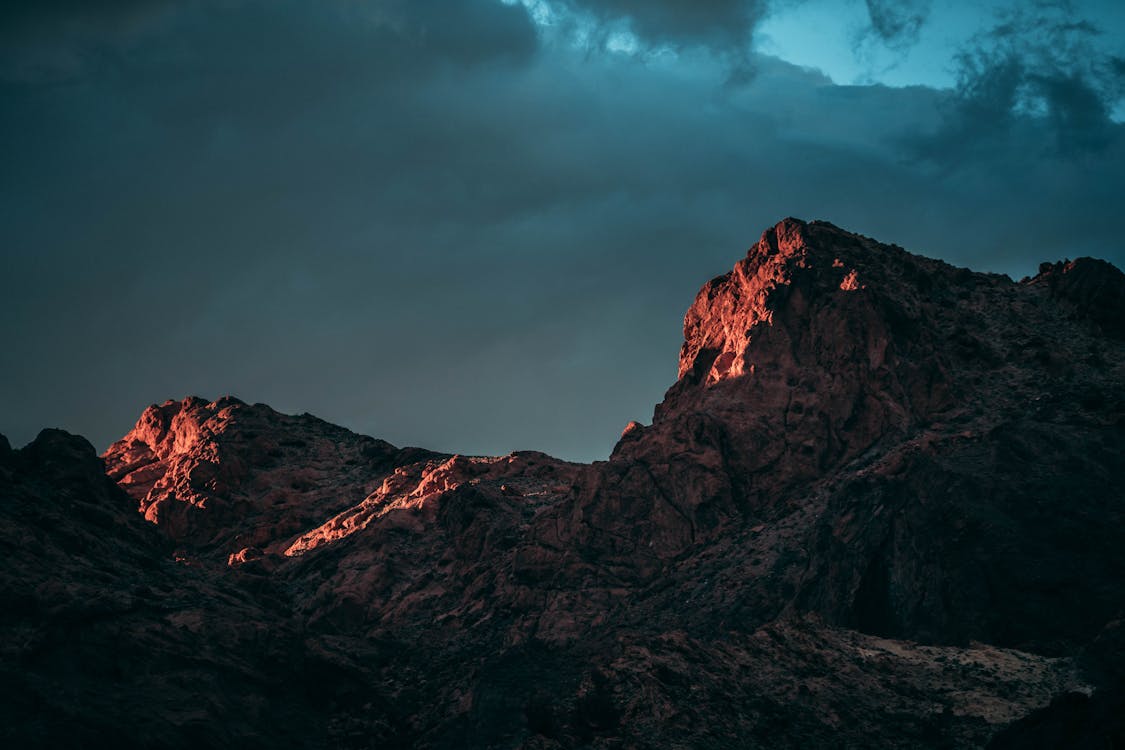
(727, 25)
(721, 23)
(1037, 79)
(897, 22)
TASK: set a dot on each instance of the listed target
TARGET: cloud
(65, 40)
(51, 40)
(22, 17)
(897, 23)
(1039, 78)
(709, 22)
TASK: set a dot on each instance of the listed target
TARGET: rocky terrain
(882, 506)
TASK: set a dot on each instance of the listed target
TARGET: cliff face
(881, 505)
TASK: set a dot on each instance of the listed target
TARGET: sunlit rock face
(224, 476)
(881, 506)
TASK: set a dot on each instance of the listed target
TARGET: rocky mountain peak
(826, 364)
(883, 339)
(227, 475)
(177, 427)
(799, 274)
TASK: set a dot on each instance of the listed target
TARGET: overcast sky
(475, 225)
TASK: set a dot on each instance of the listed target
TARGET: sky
(475, 225)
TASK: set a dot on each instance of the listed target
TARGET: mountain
(880, 507)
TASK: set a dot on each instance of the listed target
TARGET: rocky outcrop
(222, 477)
(880, 507)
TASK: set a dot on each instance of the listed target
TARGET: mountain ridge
(880, 505)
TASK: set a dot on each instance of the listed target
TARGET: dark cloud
(897, 23)
(1039, 79)
(428, 234)
(52, 40)
(727, 25)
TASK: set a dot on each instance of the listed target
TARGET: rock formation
(225, 476)
(881, 507)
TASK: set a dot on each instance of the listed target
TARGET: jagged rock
(225, 475)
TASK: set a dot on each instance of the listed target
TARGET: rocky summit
(883, 506)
